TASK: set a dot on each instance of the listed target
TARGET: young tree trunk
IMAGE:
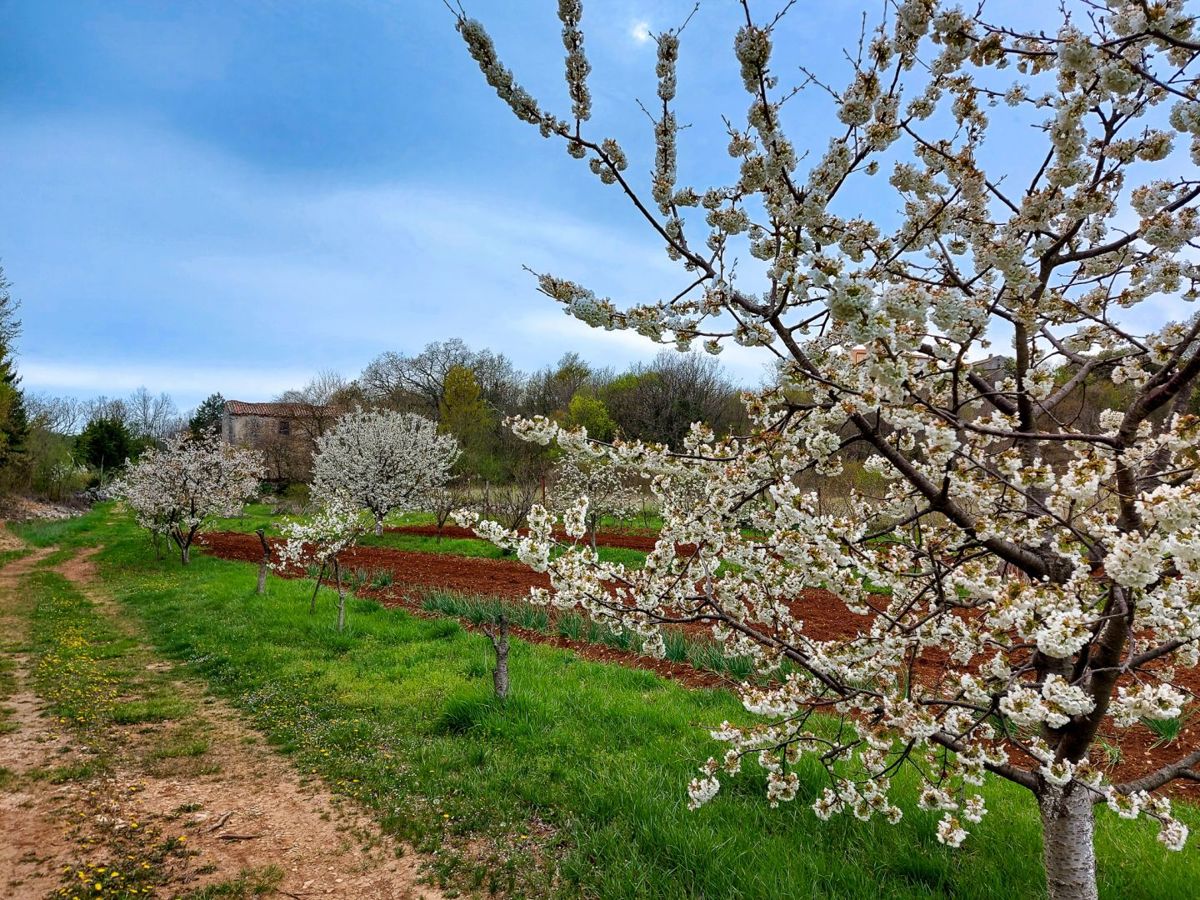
(341, 592)
(185, 553)
(379, 526)
(499, 639)
(265, 564)
(1068, 826)
(312, 604)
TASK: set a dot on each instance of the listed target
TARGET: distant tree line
(56, 446)
(470, 393)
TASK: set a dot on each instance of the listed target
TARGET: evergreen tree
(208, 414)
(105, 443)
(14, 420)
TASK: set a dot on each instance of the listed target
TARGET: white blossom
(1031, 550)
(382, 461)
(176, 490)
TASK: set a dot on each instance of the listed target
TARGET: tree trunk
(378, 527)
(1068, 826)
(341, 591)
(499, 639)
(266, 562)
(312, 604)
(185, 553)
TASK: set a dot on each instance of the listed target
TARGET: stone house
(285, 433)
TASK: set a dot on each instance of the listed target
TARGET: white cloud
(183, 261)
(188, 384)
(640, 32)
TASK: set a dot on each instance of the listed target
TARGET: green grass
(479, 548)
(79, 654)
(579, 778)
(183, 744)
(87, 668)
(254, 516)
(702, 654)
(1165, 731)
(80, 531)
(488, 609)
(156, 709)
(249, 883)
(8, 556)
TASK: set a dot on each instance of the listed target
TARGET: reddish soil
(621, 539)
(410, 569)
(825, 617)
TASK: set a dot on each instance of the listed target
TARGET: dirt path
(34, 852)
(195, 799)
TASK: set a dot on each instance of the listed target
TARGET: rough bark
(499, 639)
(1068, 826)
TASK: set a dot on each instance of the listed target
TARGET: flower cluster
(175, 490)
(1025, 575)
(608, 491)
(382, 461)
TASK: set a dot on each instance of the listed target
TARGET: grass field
(576, 785)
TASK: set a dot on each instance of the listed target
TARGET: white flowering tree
(319, 541)
(383, 461)
(609, 489)
(1057, 567)
(175, 490)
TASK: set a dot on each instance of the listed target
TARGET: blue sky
(230, 196)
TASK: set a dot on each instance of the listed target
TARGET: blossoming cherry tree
(320, 540)
(175, 490)
(1054, 566)
(383, 461)
(610, 490)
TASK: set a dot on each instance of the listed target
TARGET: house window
(285, 427)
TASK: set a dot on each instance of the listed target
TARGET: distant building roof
(993, 363)
(269, 410)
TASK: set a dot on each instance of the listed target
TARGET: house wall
(288, 456)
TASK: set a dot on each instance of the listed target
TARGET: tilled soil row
(617, 539)
(825, 617)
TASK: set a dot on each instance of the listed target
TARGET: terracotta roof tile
(270, 410)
